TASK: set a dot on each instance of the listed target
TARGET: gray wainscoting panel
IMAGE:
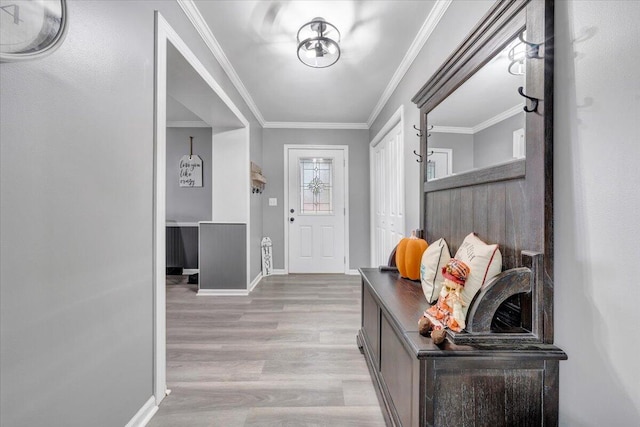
(223, 256)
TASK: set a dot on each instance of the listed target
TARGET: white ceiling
(259, 40)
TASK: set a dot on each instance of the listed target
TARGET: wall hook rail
(419, 159)
(533, 49)
(534, 101)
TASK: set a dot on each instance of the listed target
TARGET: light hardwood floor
(284, 356)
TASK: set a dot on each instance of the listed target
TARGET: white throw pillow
(433, 259)
(484, 261)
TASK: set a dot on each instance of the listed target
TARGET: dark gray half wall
(223, 262)
(182, 247)
(273, 168)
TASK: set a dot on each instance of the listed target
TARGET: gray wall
(488, 147)
(597, 135)
(76, 199)
(273, 168)
(596, 197)
(453, 27)
(460, 143)
(494, 144)
(188, 204)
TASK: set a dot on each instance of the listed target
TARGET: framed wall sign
(190, 171)
(31, 29)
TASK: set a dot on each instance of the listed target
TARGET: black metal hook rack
(534, 101)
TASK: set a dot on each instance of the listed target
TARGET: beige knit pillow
(433, 259)
(485, 262)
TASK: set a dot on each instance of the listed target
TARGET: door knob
(292, 211)
(291, 219)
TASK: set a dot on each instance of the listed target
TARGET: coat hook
(419, 159)
(429, 153)
(430, 128)
(534, 101)
(533, 49)
(419, 134)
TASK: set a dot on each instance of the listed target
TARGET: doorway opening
(186, 95)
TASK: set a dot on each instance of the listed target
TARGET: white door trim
(345, 149)
(165, 33)
(448, 152)
(394, 120)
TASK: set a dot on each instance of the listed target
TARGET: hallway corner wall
(76, 217)
(273, 168)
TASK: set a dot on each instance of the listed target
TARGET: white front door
(316, 210)
(388, 194)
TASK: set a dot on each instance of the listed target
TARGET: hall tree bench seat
(421, 384)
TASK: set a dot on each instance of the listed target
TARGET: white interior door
(316, 210)
(388, 194)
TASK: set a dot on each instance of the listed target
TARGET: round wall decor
(30, 29)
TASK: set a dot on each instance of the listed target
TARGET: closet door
(388, 195)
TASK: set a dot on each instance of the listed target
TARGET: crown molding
(451, 129)
(188, 124)
(397, 117)
(498, 118)
(482, 126)
(314, 125)
(196, 18)
(421, 38)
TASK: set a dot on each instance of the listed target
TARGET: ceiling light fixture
(316, 45)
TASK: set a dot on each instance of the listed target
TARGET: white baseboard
(190, 271)
(144, 414)
(223, 292)
(282, 272)
(255, 282)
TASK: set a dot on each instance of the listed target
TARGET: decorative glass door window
(316, 189)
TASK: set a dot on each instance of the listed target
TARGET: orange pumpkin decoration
(409, 256)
